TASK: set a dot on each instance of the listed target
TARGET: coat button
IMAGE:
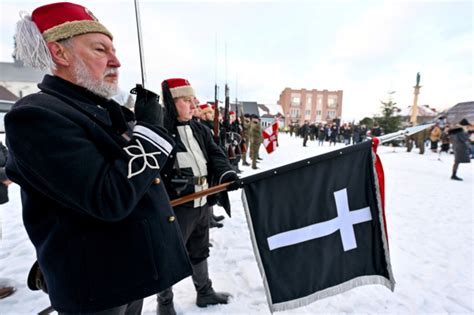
(156, 181)
(171, 218)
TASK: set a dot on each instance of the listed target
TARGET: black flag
(317, 227)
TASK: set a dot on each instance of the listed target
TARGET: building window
(307, 114)
(319, 102)
(294, 113)
(309, 100)
(331, 114)
(295, 99)
(332, 101)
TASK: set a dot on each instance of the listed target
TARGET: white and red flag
(270, 137)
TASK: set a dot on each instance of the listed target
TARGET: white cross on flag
(318, 227)
(270, 137)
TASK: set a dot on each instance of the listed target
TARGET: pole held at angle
(140, 43)
(402, 133)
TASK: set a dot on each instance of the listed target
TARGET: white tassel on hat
(30, 46)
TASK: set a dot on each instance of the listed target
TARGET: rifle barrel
(140, 43)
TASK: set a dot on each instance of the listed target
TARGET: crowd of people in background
(457, 139)
(347, 133)
(239, 136)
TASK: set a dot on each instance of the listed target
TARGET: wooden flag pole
(210, 191)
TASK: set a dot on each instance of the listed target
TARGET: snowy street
(430, 229)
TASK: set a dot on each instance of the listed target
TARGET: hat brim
(74, 28)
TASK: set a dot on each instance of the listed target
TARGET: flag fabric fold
(317, 227)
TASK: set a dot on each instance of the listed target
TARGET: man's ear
(58, 53)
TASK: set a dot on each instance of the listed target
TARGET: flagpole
(404, 132)
(210, 191)
(218, 188)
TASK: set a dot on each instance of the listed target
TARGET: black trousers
(194, 225)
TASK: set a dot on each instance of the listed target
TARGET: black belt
(194, 180)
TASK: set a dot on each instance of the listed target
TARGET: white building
(20, 79)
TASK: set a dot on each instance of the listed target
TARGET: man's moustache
(113, 71)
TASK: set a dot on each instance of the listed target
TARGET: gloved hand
(233, 178)
(147, 107)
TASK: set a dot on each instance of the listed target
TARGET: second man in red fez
(196, 164)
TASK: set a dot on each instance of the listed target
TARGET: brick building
(312, 105)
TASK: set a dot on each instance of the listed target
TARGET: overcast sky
(365, 48)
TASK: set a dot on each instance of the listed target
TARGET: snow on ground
(430, 229)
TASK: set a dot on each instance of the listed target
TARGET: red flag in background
(270, 137)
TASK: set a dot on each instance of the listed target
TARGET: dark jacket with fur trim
(94, 205)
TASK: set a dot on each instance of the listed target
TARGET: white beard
(99, 87)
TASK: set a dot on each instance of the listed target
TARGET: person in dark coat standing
(333, 133)
(4, 183)
(94, 205)
(305, 132)
(196, 163)
(460, 140)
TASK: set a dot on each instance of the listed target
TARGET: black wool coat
(3, 175)
(461, 147)
(96, 211)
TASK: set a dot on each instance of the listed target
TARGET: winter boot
(205, 293)
(254, 164)
(165, 302)
(218, 218)
(454, 177)
(213, 223)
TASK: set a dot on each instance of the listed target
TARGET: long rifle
(216, 98)
(140, 42)
(228, 136)
(239, 131)
(147, 107)
(216, 113)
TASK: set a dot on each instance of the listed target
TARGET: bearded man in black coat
(94, 204)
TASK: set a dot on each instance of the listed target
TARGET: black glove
(36, 279)
(233, 178)
(147, 107)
